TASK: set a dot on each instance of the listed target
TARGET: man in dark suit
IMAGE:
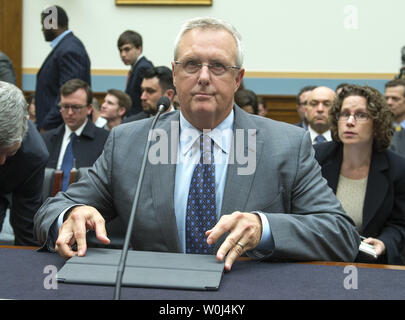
(88, 143)
(67, 60)
(23, 156)
(131, 47)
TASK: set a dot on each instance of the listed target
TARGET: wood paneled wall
(11, 33)
(282, 108)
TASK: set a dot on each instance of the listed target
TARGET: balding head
(319, 102)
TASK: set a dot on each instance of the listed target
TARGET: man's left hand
(245, 231)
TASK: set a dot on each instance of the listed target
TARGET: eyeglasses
(75, 107)
(193, 66)
(358, 116)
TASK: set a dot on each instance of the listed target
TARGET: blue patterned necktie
(201, 205)
(320, 139)
(67, 163)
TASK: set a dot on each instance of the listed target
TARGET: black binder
(144, 269)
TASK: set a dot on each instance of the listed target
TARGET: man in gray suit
(272, 204)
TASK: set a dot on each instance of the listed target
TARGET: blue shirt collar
(55, 41)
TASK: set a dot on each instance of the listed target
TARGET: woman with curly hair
(367, 178)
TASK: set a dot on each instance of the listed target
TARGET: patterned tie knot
(206, 148)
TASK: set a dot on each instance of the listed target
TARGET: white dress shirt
(327, 135)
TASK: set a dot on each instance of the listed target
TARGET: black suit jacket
(133, 88)
(68, 60)
(86, 148)
(22, 177)
(384, 204)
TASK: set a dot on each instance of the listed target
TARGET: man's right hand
(74, 230)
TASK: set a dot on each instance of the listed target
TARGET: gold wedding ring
(241, 245)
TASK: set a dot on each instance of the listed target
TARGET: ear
(89, 109)
(121, 111)
(170, 94)
(239, 78)
(174, 73)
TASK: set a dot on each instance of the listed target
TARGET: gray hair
(213, 24)
(13, 114)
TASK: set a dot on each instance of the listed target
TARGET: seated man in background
(116, 105)
(157, 82)
(77, 142)
(302, 101)
(317, 114)
(395, 96)
(23, 157)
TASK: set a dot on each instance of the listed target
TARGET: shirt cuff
(54, 229)
(266, 244)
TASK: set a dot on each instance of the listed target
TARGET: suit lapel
(377, 187)
(238, 186)
(162, 180)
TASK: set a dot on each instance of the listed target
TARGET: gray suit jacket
(306, 219)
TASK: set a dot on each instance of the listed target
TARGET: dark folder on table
(144, 269)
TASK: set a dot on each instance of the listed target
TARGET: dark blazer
(68, 60)
(22, 176)
(384, 204)
(133, 88)
(86, 148)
